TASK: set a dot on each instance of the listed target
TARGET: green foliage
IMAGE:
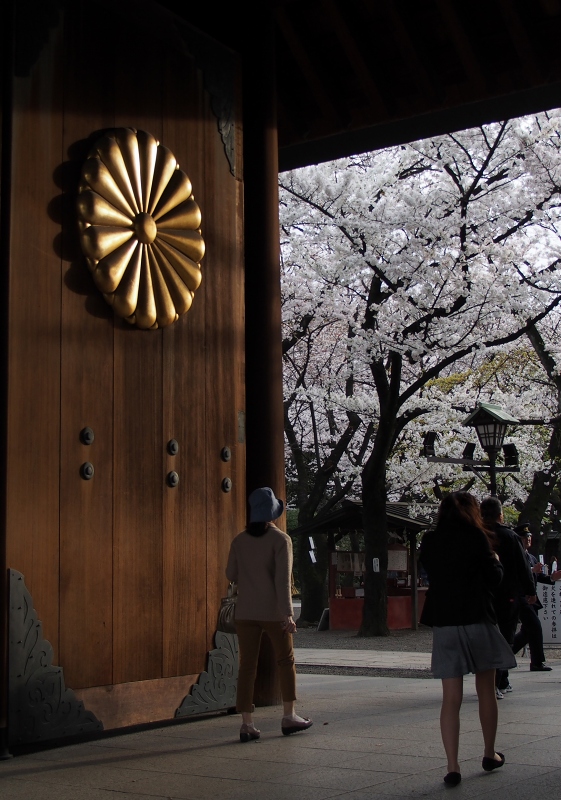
(448, 383)
(503, 369)
(511, 516)
(291, 524)
(291, 519)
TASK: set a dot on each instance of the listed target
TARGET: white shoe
(508, 688)
(498, 694)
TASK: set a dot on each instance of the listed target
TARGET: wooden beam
(408, 50)
(309, 72)
(463, 47)
(436, 122)
(520, 40)
(349, 46)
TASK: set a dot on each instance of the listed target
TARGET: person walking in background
(260, 562)
(463, 571)
(517, 581)
(530, 632)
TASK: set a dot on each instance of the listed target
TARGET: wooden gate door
(126, 569)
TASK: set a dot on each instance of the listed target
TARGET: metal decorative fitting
(227, 485)
(140, 228)
(172, 479)
(87, 471)
(225, 454)
(87, 436)
(173, 447)
(40, 705)
(216, 687)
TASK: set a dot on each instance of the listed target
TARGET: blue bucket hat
(264, 506)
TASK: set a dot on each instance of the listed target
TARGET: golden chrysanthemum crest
(140, 228)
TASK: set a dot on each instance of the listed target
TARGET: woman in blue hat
(260, 562)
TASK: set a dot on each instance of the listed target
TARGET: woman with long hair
(463, 570)
(260, 562)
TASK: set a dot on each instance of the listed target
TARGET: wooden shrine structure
(140, 338)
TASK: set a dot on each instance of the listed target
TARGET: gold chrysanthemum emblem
(140, 228)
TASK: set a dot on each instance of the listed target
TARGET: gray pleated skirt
(459, 649)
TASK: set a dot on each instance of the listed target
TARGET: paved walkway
(374, 738)
(361, 658)
(386, 660)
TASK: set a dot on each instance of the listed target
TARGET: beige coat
(262, 568)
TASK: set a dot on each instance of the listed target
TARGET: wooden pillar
(264, 410)
(7, 62)
(414, 574)
(264, 421)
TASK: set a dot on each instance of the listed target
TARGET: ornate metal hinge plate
(40, 706)
(216, 688)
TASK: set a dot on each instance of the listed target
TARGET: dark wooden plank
(184, 508)
(138, 485)
(139, 478)
(137, 703)
(34, 337)
(86, 507)
(225, 365)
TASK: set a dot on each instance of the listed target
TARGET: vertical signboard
(550, 597)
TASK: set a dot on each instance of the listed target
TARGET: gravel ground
(419, 641)
(405, 641)
(367, 672)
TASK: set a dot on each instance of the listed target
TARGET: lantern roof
(486, 410)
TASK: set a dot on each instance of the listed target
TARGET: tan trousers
(249, 639)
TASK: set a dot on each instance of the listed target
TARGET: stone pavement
(361, 659)
(374, 738)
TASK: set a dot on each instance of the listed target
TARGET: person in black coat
(530, 632)
(463, 571)
(517, 582)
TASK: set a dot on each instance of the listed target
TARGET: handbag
(227, 614)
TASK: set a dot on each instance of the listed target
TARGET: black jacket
(538, 578)
(518, 579)
(462, 572)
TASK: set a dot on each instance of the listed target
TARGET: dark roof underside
(357, 75)
(348, 518)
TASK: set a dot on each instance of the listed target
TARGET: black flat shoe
(539, 668)
(248, 733)
(490, 764)
(452, 779)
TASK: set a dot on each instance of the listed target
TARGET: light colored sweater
(262, 567)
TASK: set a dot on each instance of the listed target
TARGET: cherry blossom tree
(326, 437)
(399, 265)
(514, 379)
(545, 480)
(522, 378)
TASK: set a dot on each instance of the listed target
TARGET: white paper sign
(550, 615)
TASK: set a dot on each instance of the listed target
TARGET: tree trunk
(539, 497)
(375, 615)
(312, 578)
(544, 483)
